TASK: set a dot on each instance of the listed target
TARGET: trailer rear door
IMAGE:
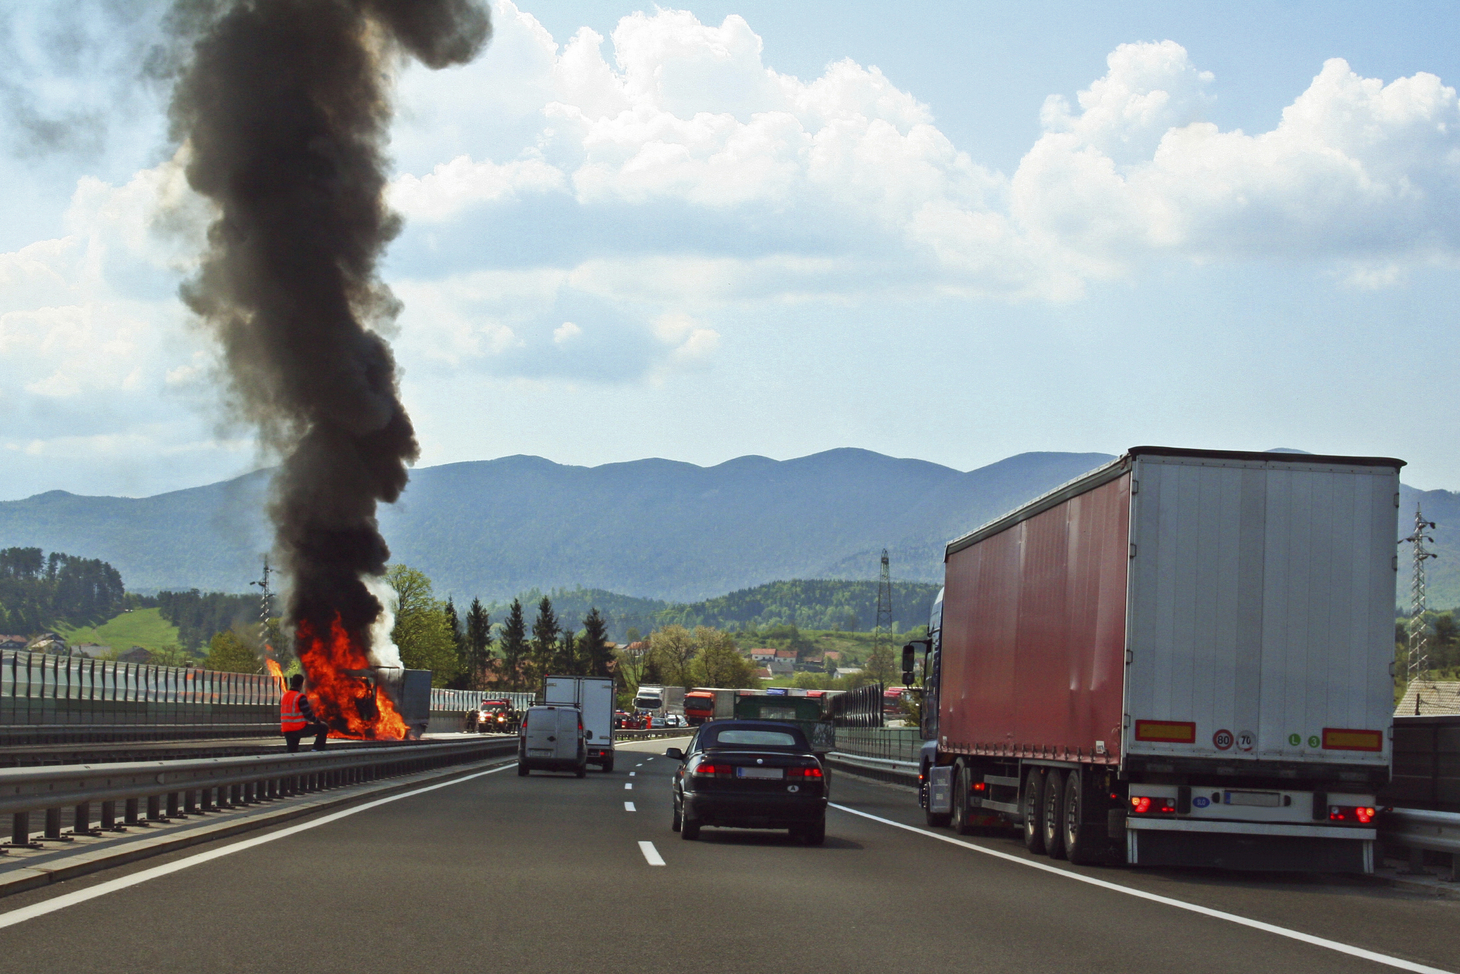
(1261, 609)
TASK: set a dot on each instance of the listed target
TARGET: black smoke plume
(285, 105)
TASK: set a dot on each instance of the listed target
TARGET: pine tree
(478, 643)
(514, 646)
(453, 627)
(545, 632)
(595, 644)
(565, 661)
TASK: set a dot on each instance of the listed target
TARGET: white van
(551, 739)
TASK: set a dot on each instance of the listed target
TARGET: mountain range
(656, 529)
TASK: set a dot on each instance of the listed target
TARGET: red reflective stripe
(290, 717)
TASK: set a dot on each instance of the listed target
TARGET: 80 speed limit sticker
(1222, 740)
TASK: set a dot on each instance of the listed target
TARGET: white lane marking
(1307, 938)
(648, 759)
(629, 807)
(628, 786)
(639, 765)
(632, 773)
(651, 853)
(13, 917)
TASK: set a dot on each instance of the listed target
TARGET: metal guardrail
(1421, 830)
(649, 735)
(188, 787)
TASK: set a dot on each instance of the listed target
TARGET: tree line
(39, 590)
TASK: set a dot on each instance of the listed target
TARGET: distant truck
(659, 701)
(594, 698)
(1182, 658)
(704, 704)
(796, 705)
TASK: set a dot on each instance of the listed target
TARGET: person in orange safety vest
(296, 716)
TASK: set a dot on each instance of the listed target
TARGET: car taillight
(1362, 814)
(1144, 805)
(712, 769)
(803, 772)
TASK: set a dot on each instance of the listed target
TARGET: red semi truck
(1182, 658)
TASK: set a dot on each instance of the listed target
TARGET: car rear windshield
(756, 737)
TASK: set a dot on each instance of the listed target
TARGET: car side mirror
(675, 753)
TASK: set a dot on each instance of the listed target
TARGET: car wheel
(521, 770)
(689, 829)
(674, 822)
(814, 834)
(1083, 839)
(1052, 819)
(1033, 806)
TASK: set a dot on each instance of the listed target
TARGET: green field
(138, 627)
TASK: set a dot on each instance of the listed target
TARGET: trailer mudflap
(1263, 851)
(940, 790)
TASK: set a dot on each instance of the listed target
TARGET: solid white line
(1306, 938)
(13, 917)
(629, 807)
(628, 786)
(651, 853)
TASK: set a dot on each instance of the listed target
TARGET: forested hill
(653, 528)
(807, 604)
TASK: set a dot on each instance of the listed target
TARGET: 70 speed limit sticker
(1225, 740)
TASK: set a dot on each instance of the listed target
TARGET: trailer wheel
(1033, 806)
(1083, 840)
(1050, 820)
(959, 818)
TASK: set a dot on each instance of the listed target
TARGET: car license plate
(1260, 799)
(760, 773)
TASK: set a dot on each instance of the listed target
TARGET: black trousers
(320, 732)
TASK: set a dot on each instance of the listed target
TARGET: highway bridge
(467, 867)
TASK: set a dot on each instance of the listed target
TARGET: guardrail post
(190, 802)
(20, 829)
(53, 826)
(109, 818)
(81, 820)
(130, 816)
(174, 807)
(154, 809)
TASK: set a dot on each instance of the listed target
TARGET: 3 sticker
(1296, 740)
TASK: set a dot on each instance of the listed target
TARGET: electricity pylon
(1418, 631)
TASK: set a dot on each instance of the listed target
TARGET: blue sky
(728, 228)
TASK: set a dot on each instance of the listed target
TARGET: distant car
(496, 717)
(749, 774)
(658, 722)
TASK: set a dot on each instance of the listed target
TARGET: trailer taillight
(1145, 805)
(1362, 814)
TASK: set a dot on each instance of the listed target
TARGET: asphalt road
(548, 873)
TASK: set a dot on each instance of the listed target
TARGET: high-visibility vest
(290, 716)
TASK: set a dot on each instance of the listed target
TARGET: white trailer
(594, 696)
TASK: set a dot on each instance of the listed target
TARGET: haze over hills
(656, 529)
(652, 528)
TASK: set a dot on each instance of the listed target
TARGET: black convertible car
(749, 774)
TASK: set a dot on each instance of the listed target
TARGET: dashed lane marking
(13, 917)
(632, 773)
(1307, 938)
(651, 853)
(628, 786)
(629, 807)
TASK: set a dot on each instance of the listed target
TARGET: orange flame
(353, 705)
(274, 670)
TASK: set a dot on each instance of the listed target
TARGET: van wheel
(1052, 819)
(607, 765)
(1032, 805)
(582, 771)
(1084, 841)
(521, 770)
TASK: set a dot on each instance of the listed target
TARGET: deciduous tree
(421, 631)
(230, 654)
